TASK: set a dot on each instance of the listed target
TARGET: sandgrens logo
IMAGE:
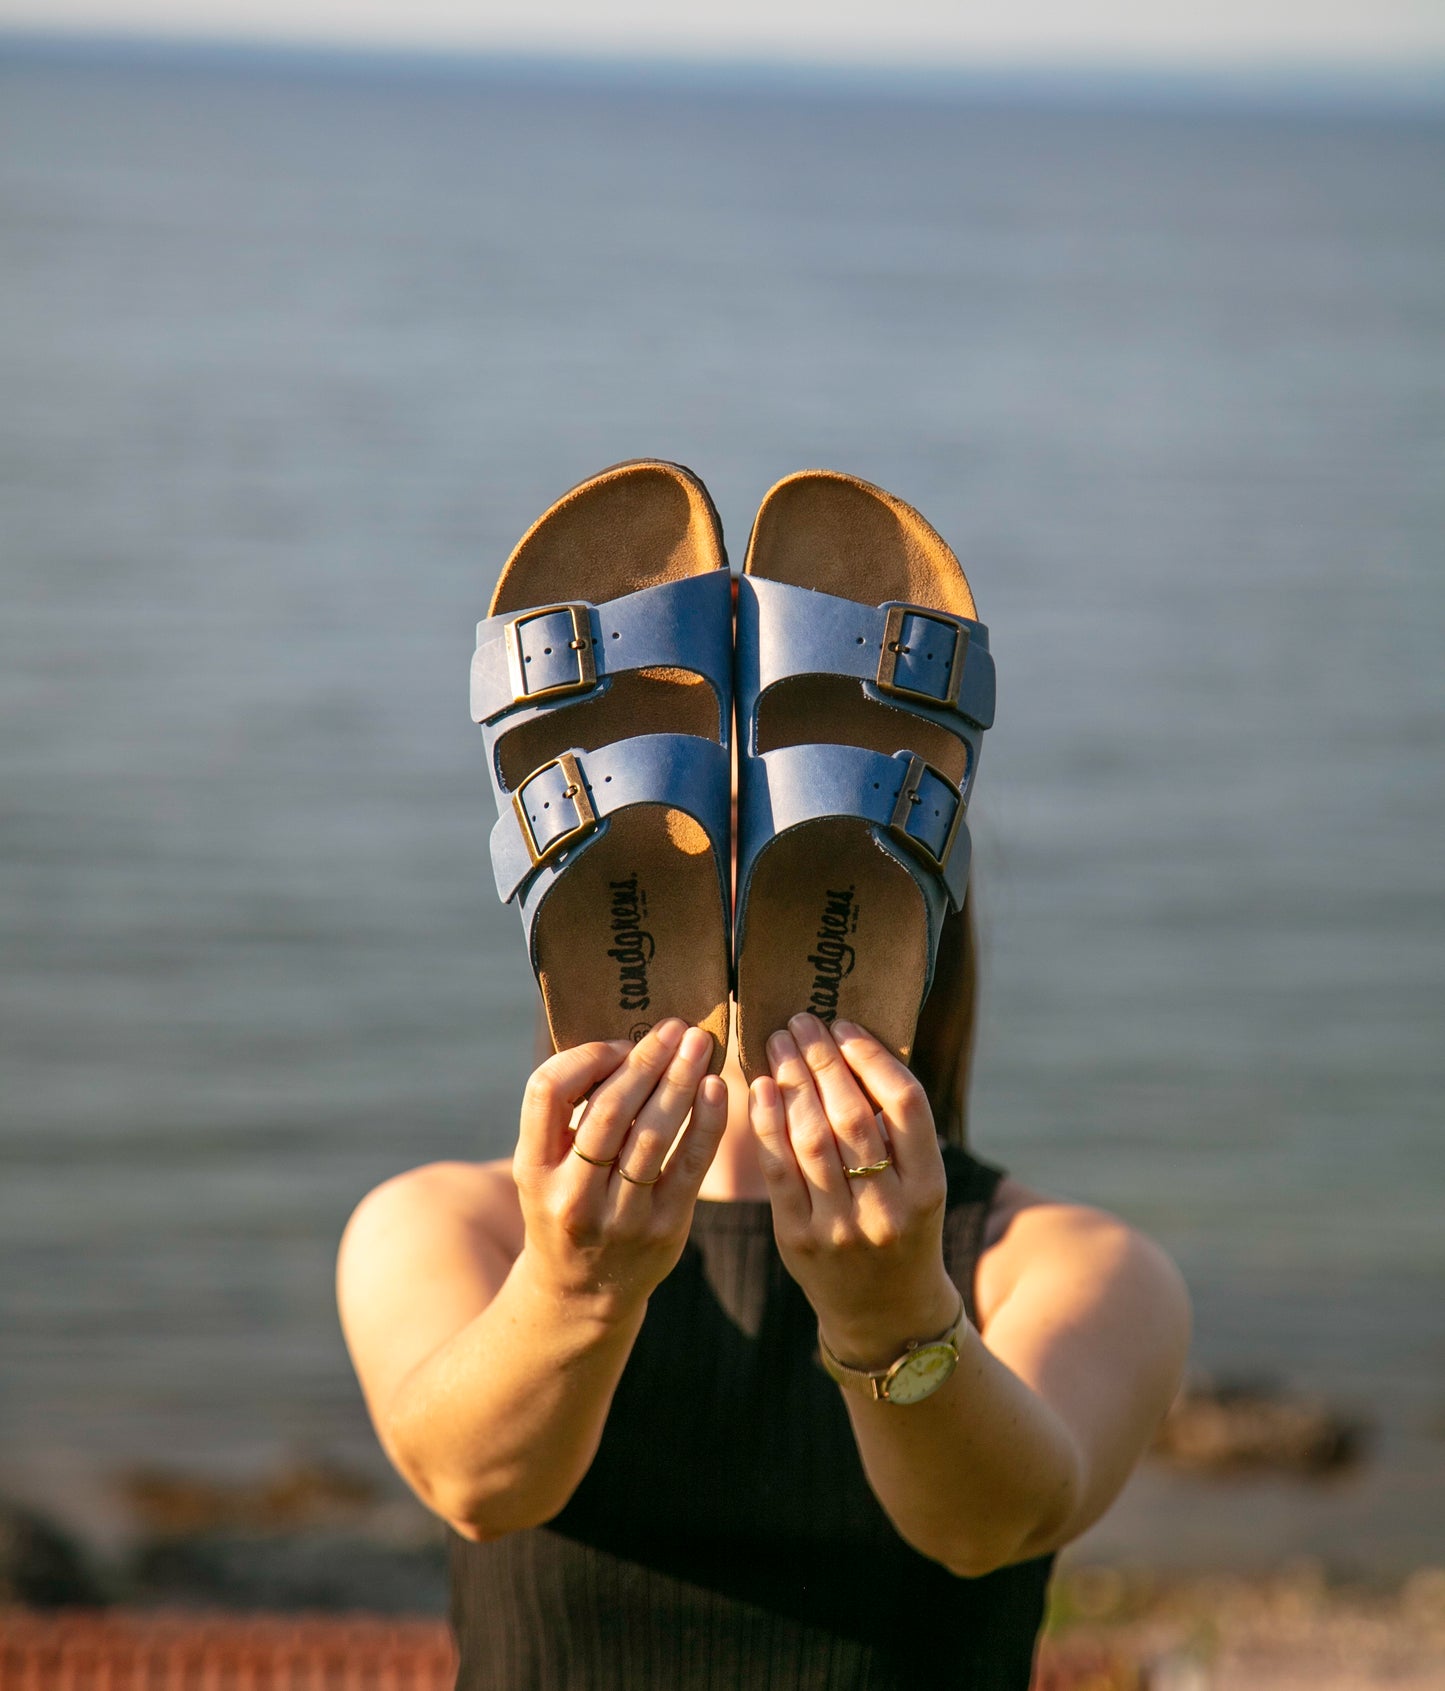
(832, 957)
(632, 948)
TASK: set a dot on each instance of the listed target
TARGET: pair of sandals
(605, 680)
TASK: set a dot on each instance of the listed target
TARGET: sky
(1340, 34)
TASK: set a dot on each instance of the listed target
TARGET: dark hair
(943, 1045)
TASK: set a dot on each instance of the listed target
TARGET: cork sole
(834, 923)
(636, 930)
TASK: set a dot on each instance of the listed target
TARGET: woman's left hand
(867, 1250)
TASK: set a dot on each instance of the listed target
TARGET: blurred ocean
(289, 357)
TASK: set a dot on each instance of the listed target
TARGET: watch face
(921, 1372)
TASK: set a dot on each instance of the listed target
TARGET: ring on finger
(632, 1179)
(866, 1168)
(596, 1162)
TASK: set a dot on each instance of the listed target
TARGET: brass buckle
(580, 643)
(576, 790)
(890, 653)
(908, 796)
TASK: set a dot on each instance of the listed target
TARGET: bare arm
(488, 1382)
(1037, 1429)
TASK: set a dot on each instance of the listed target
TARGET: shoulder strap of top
(971, 1178)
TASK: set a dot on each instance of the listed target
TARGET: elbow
(975, 1560)
(973, 1557)
(1050, 1528)
(966, 1565)
(479, 1514)
(467, 1516)
(470, 1530)
(455, 1509)
(477, 1519)
(453, 1500)
(480, 1501)
(491, 1512)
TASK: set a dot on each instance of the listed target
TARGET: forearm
(971, 1473)
(498, 1426)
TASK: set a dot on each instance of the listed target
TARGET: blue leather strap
(912, 810)
(932, 663)
(537, 660)
(561, 808)
(908, 658)
(537, 663)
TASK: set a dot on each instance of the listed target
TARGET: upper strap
(924, 660)
(911, 804)
(562, 806)
(554, 654)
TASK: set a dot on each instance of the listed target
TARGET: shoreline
(317, 1547)
(1242, 1480)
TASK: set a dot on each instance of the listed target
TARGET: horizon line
(1292, 81)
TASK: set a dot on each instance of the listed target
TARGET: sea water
(289, 357)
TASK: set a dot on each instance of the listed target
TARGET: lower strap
(916, 810)
(562, 806)
(911, 802)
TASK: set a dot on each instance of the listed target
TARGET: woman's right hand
(614, 1232)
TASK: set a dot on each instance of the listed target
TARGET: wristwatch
(921, 1369)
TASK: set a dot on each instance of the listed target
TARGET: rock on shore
(42, 1567)
(1231, 1423)
(307, 1537)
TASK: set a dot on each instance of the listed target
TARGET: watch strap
(871, 1380)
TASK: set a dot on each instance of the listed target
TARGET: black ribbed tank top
(725, 1537)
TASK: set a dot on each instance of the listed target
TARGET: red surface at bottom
(191, 1650)
(188, 1650)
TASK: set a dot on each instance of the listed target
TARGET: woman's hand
(604, 1220)
(867, 1250)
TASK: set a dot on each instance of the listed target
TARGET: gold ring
(593, 1160)
(632, 1179)
(869, 1168)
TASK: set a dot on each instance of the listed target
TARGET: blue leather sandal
(602, 681)
(864, 685)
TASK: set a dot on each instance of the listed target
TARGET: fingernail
(695, 1044)
(712, 1090)
(846, 1030)
(765, 1091)
(781, 1047)
(669, 1033)
(804, 1025)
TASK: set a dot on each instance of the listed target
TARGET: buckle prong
(576, 790)
(908, 796)
(894, 647)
